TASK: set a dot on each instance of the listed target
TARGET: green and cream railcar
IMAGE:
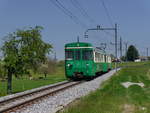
(102, 61)
(82, 60)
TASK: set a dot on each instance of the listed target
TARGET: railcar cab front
(78, 60)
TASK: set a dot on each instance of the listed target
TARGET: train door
(87, 62)
(77, 60)
(69, 61)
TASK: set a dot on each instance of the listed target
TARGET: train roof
(78, 44)
(99, 50)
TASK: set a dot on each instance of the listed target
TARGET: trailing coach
(82, 60)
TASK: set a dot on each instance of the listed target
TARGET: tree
(2, 71)
(24, 50)
(49, 67)
(43, 69)
(123, 58)
(132, 53)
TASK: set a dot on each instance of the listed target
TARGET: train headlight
(68, 65)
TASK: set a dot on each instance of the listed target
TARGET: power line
(107, 13)
(58, 6)
(126, 48)
(78, 6)
(61, 7)
(69, 12)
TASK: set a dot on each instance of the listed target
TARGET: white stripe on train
(77, 47)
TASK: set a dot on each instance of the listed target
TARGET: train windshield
(69, 55)
(87, 55)
(77, 55)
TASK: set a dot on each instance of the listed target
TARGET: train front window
(87, 55)
(69, 55)
(77, 55)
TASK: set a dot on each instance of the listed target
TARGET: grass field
(128, 64)
(115, 98)
(24, 83)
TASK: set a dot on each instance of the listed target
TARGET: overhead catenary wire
(59, 7)
(67, 12)
(71, 14)
(83, 12)
(107, 13)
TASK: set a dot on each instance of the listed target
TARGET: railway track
(16, 102)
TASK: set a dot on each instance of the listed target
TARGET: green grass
(25, 83)
(114, 98)
(125, 64)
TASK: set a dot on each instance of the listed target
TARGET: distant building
(143, 58)
(137, 60)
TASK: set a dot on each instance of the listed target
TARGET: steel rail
(32, 92)
(35, 98)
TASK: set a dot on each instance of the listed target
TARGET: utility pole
(100, 28)
(147, 53)
(78, 39)
(120, 47)
(126, 46)
(116, 41)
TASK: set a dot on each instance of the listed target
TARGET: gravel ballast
(54, 103)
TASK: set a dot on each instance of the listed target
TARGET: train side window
(96, 56)
(87, 55)
(69, 55)
(77, 55)
(101, 58)
(108, 59)
(105, 58)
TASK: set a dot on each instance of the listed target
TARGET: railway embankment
(36, 80)
(58, 101)
(127, 92)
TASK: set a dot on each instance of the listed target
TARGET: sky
(132, 17)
